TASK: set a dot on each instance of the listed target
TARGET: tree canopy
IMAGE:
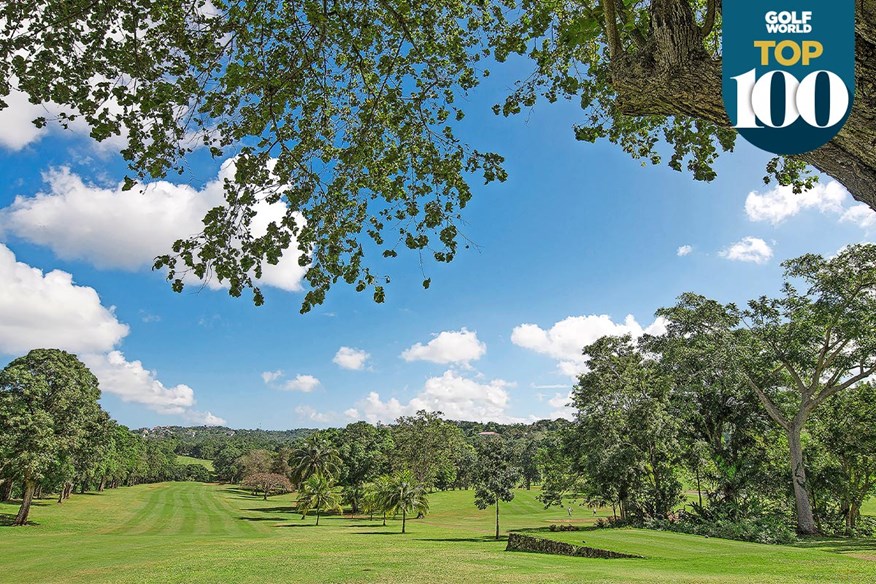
(347, 111)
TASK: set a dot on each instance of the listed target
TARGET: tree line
(55, 437)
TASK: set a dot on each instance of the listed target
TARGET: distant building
(488, 433)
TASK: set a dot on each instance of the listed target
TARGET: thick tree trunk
(673, 75)
(805, 519)
(102, 484)
(6, 492)
(24, 510)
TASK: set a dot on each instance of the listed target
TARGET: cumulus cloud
(683, 250)
(309, 413)
(16, 126)
(270, 376)
(460, 398)
(460, 347)
(304, 383)
(350, 358)
(748, 249)
(779, 203)
(204, 419)
(861, 215)
(49, 310)
(565, 340)
(132, 382)
(112, 228)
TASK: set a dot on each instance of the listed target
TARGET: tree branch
(771, 408)
(709, 22)
(614, 45)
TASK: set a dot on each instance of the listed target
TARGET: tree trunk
(102, 484)
(384, 518)
(29, 488)
(6, 493)
(497, 517)
(699, 490)
(404, 519)
(317, 515)
(805, 519)
(673, 75)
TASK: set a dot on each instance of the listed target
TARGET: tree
(317, 492)
(257, 461)
(372, 155)
(315, 456)
(407, 495)
(495, 475)
(624, 439)
(376, 496)
(424, 443)
(721, 421)
(267, 483)
(844, 429)
(47, 400)
(810, 344)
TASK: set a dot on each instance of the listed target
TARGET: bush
(565, 527)
(774, 530)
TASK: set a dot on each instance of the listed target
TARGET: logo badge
(788, 71)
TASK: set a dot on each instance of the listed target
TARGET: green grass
(195, 532)
(186, 460)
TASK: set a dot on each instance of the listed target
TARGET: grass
(194, 532)
(186, 460)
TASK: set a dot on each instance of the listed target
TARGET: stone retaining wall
(517, 542)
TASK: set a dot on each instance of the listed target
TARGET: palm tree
(375, 496)
(317, 492)
(316, 455)
(406, 495)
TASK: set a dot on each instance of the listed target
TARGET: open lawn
(194, 532)
(185, 460)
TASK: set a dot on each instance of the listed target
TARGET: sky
(579, 242)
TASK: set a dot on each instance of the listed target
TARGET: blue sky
(580, 241)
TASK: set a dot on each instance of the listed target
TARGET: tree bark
(673, 75)
(102, 484)
(6, 493)
(24, 510)
(805, 519)
(497, 518)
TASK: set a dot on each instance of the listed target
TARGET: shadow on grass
(263, 518)
(482, 539)
(300, 525)
(6, 520)
(839, 544)
(273, 509)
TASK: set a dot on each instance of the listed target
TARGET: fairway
(195, 532)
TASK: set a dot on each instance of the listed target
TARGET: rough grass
(186, 460)
(194, 532)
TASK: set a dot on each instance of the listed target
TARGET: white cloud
(460, 347)
(49, 310)
(16, 126)
(313, 415)
(683, 250)
(350, 358)
(560, 402)
(269, 376)
(112, 228)
(134, 383)
(778, 204)
(204, 419)
(458, 397)
(304, 383)
(565, 340)
(861, 215)
(748, 249)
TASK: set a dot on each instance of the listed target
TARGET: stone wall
(517, 542)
